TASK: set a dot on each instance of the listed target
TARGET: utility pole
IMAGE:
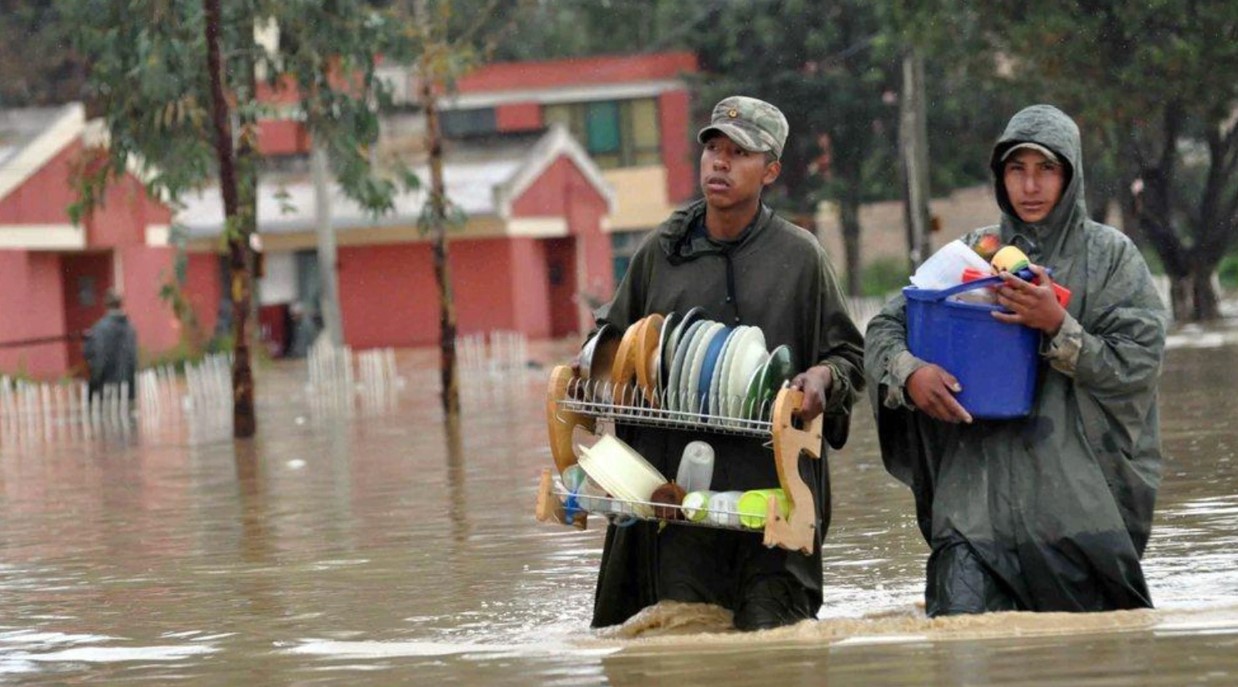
(327, 253)
(913, 149)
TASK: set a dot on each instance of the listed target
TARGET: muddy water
(363, 550)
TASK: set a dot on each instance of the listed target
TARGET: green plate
(766, 382)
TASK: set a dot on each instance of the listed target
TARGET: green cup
(753, 505)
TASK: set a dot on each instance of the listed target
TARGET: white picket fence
(338, 377)
(505, 353)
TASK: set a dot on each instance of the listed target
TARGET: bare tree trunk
(442, 269)
(913, 148)
(849, 220)
(243, 421)
(327, 253)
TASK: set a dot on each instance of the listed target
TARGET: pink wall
(124, 215)
(39, 312)
(530, 287)
(144, 271)
(203, 289)
(45, 195)
(679, 153)
(482, 276)
(518, 116)
(282, 137)
(387, 295)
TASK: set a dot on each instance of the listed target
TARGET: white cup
(696, 467)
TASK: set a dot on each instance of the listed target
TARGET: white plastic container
(696, 467)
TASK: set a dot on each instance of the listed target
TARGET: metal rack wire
(621, 511)
(667, 408)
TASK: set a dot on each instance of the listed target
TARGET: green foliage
(883, 276)
(35, 68)
(1227, 273)
(148, 80)
(831, 76)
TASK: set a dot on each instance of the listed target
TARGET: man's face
(1033, 184)
(732, 176)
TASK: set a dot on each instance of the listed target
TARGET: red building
(532, 242)
(53, 274)
(551, 224)
(559, 166)
(631, 113)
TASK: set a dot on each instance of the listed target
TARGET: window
(465, 123)
(617, 133)
(623, 246)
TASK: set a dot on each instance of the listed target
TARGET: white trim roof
(481, 182)
(31, 137)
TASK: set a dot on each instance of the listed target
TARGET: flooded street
(357, 548)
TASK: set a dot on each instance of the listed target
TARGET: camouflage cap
(753, 124)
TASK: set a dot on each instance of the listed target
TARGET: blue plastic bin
(996, 363)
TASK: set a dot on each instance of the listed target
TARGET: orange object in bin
(1061, 292)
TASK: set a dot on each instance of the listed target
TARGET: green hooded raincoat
(1050, 512)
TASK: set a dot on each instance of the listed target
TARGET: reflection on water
(370, 547)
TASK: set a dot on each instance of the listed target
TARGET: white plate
(677, 364)
(746, 356)
(698, 361)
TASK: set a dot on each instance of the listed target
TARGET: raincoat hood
(1050, 127)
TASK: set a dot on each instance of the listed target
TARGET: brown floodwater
(357, 548)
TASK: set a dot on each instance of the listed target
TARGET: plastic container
(724, 508)
(944, 268)
(754, 505)
(696, 505)
(696, 467)
(996, 363)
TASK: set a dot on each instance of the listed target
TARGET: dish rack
(572, 402)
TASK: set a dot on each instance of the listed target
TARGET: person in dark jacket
(111, 350)
(1050, 512)
(731, 255)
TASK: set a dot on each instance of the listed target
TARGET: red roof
(611, 69)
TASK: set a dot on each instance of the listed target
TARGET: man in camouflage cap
(729, 258)
(753, 124)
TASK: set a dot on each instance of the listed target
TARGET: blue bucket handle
(930, 295)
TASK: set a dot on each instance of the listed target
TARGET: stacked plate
(691, 364)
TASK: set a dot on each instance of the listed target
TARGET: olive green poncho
(1050, 512)
(775, 276)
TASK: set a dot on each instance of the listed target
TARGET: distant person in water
(111, 350)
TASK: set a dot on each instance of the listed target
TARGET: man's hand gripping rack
(566, 410)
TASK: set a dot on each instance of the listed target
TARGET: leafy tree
(828, 74)
(1152, 87)
(36, 67)
(151, 80)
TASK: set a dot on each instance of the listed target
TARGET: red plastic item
(1061, 292)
